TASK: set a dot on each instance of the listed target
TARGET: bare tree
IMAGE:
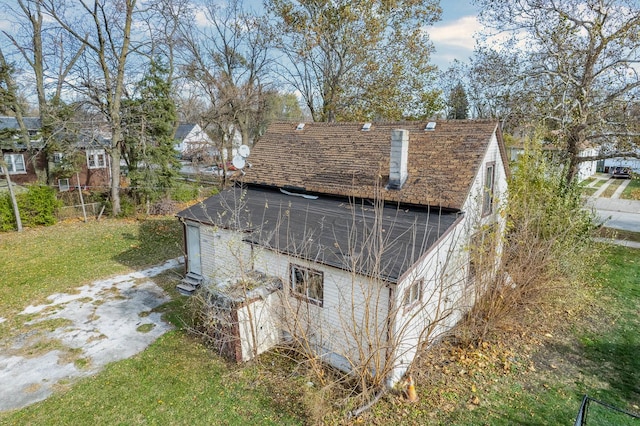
(29, 41)
(578, 70)
(105, 29)
(228, 59)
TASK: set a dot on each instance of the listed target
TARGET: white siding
(354, 311)
(632, 163)
(446, 296)
(258, 326)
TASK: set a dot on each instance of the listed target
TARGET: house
(24, 162)
(585, 168)
(374, 231)
(191, 141)
(88, 159)
(87, 165)
(632, 163)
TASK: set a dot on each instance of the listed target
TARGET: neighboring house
(585, 168)
(191, 140)
(373, 230)
(89, 162)
(24, 162)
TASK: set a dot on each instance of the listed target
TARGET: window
(57, 157)
(96, 159)
(15, 163)
(307, 284)
(487, 193)
(63, 184)
(413, 294)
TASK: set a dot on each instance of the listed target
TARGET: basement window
(300, 126)
(307, 284)
(63, 185)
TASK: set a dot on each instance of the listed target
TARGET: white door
(194, 264)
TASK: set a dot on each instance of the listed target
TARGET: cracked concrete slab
(105, 321)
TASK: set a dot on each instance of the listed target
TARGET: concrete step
(189, 284)
(186, 289)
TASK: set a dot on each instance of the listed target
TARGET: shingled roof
(342, 159)
(327, 230)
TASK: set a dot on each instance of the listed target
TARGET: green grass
(543, 380)
(176, 381)
(38, 262)
(179, 381)
(632, 191)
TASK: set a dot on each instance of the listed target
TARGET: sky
(453, 34)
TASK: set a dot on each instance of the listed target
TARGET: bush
(548, 245)
(37, 207)
(7, 220)
(183, 192)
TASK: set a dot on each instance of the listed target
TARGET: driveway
(76, 335)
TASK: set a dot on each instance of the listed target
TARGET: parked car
(619, 172)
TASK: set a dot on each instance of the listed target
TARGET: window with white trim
(307, 284)
(413, 294)
(487, 193)
(15, 163)
(96, 159)
(63, 184)
(57, 157)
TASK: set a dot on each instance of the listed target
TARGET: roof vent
(366, 127)
(300, 126)
(431, 126)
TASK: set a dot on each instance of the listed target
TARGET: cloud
(456, 34)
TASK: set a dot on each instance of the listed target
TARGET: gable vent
(366, 127)
(431, 126)
(300, 126)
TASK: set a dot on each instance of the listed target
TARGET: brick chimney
(398, 158)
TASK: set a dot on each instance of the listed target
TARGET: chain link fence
(593, 412)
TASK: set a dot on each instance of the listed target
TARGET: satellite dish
(244, 151)
(238, 162)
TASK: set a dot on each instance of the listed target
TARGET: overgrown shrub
(547, 245)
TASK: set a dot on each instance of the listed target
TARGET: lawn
(632, 191)
(533, 373)
(41, 261)
(538, 373)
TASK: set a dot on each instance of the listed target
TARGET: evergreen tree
(458, 104)
(149, 121)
